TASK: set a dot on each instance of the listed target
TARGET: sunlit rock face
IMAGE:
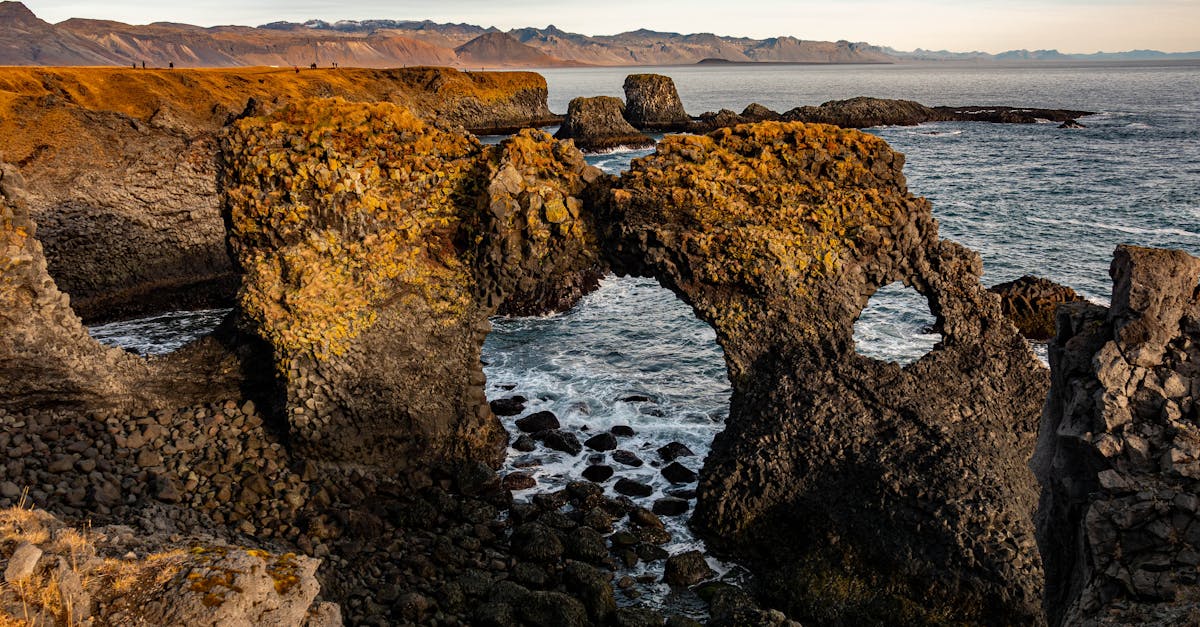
(374, 246)
(1119, 451)
(858, 491)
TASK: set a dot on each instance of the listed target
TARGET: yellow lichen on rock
(334, 206)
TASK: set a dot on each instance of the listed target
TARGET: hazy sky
(960, 25)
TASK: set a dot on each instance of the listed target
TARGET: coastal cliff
(1118, 454)
(121, 165)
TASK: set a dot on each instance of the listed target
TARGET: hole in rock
(158, 334)
(629, 356)
(896, 326)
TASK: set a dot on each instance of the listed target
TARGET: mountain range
(26, 39)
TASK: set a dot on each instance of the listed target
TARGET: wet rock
(510, 406)
(678, 473)
(1071, 124)
(674, 450)
(552, 609)
(638, 617)
(671, 506)
(518, 481)
(539, 421)
(1030, 302)
(622, 431)
(629, 487)
(586, 544)
(636, 398)
(628, 458)
(652, 103)
(601, 442)
(687, 569)
(524, 443)
(598, 473)
(536, 542)
(1118, 453)
(682, 493)
(592, 588)
(598, 123)
(652, 553)
(560, 440)
(643, 517)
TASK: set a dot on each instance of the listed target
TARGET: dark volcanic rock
(678, 473)
(674, 450)
(560, 440)
(539, 421)
(755, 112)
(597, 123)
(510, 406)
(601, 442)
(835, 467)
(622, 431)
(652, 104)
(536, 542)
(598, 473)
(863, 112)
(518, 481)
(687, 569)
(1007, 115)
(552, 609)
(628, 458)
(670, 506)
(524, 443)
(1118, 455)
(1030, 303)
(629, 487)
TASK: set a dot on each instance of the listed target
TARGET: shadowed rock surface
(374, 247)
(652, 103)
(907, 516)
(598, 123)
(122, 165)
(1118, 455)
(1030, 303)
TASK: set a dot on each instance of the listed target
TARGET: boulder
(863, 112)
(652, 103)
(1118, 454)
(372, 283)
(598, 123)
(687, 569)
(836, 467)
(538, 421)
(1030, 302)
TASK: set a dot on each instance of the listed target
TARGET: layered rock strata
(652, 103)
(1118, 455)
(374, 247)
(1030, 302)
(121, 164)
(906, 516)
(598, 123)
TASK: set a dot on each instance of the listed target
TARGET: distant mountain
(27, 40)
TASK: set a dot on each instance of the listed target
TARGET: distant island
(26, 39)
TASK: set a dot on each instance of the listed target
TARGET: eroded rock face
(1118, 457)
(858, 491)
(652, 103)
(1030, 302)
(598, 123)
(374, 247)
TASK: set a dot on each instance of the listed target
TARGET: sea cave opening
(896, 326)
(635, 386)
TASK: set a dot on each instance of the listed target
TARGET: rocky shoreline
(339, 414)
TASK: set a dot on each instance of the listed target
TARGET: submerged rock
(1030, 303)
(652, 103)
(1118, 455)
(850, 486)
(598, 123)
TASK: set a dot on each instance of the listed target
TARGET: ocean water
(1031, 199)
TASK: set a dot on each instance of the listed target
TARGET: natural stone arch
(839, 476)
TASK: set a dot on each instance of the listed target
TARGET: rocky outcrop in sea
(1118, 454)
(652, 104)
(1030, 302)
(598, 123)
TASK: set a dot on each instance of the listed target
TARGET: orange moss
(335, 206)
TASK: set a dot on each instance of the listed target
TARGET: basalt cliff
(339, 412)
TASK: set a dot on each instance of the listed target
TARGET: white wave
(1120, 228)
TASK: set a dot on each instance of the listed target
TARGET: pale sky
(962, 25)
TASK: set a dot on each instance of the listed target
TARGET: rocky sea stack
(598, 123)
(1030, 302)
(652, 104)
